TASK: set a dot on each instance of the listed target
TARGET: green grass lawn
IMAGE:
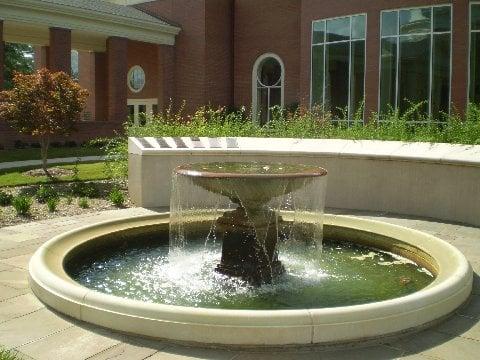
(86, 172)
(34, 154)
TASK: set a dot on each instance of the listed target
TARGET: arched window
(267, 86)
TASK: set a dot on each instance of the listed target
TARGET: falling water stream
(245, 236)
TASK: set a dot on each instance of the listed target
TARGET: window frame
(430, 75)
(130, 71)
(257, 63)
(136, 103)
(470, 31)
(324, 44)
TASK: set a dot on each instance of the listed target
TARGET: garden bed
(67, 202)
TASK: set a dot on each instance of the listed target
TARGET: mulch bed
(53, 171)
(68, 205)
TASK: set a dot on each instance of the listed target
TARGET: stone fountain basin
(254, 188)
(264, 328)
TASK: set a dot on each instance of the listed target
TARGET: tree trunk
(44, 143)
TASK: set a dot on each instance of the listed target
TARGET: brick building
(360, 56)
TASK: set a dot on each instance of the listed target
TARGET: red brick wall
(203, 49)
(189, 47)
(59, 58)
(117, 67)
(85, 131)
(219, 52)
(261, 27)
(40, 57)
(100, 86)
(2, 54)
(86, 79)
(321, 9)
(166, 76)
(146, 56)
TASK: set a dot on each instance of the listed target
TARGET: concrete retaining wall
(420, 179)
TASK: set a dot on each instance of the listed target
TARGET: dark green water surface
(140, 267)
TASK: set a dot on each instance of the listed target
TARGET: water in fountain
(244, 236)
(250, 208)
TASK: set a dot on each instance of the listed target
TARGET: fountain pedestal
(249, 246)
(249, 233)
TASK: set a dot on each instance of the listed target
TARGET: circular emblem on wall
(136, 78)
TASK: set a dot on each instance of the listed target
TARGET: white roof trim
(56, 15)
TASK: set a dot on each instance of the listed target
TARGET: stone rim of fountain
(309, 171)
(247, 328)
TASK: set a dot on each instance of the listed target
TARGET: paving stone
(4, 266)
(16, 278)
(33, 326)
(19, 250)
(370, 353)
(7, 292)
(476, 277)
(461, 326)
(286, 355)
(45, 335)
(440, 346)
(7, 244)
(19, 237)
(184, 353)
(125, 352)
(19, 306)
(417, 357)
(20, 261)
(74, 343)
(472, 308)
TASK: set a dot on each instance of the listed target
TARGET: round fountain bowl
(252, 182)
(451, 287)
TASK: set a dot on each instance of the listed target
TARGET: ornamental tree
(43, 104)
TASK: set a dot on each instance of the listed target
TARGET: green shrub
(83, 203)
(298, 122)
(45, 193)
(84, 189)
(5, 198)
(52, 204)
(8, 355)
(22, 204)
(116, 197)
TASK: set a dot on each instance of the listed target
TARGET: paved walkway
(69, 160)
(39, 333)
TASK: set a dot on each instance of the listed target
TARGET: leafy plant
(22, 204)
(116, 197)
(8, 355)
(83, 203)
(52, 204)
(84, 189)
(411, 124)
(45, 193)
(17, 61)
(43, 104)
(5, 198)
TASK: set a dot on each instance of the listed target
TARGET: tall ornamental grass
(409, 126)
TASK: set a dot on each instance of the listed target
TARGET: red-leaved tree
(43, 104)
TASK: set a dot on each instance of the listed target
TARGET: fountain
(250, 232)
(247, 258)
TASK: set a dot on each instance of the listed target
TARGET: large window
(338, 66)
(475, 53)
(416, 60)
(267, 81)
